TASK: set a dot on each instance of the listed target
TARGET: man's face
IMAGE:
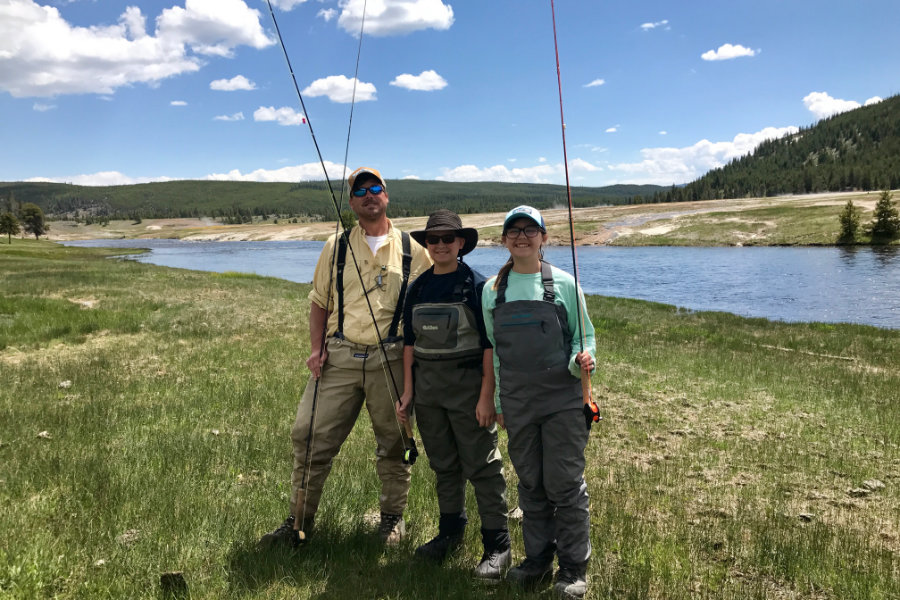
(370, 207)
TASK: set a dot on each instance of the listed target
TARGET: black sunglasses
(434, 240)
(361, 191)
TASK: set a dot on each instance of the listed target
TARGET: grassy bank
(145, 411)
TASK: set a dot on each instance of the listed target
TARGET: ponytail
(504, 271)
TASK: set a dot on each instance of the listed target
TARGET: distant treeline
(235, 202)
(855, 150)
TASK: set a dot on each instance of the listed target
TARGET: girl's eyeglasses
(361, 191)
(530, 231)
(434, 240)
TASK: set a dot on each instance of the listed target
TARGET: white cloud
(41, 107)
(822, 105)
(612, 129)
(177, 103)
(727, 52)
(327, 14)
(395, 17)
(426, 81)
(649, 26)
(238, 116)
(283, 116)
(542, 173)
(338, 88)
(238, 82)
(595, 83)
(213, 27)
(287, 5)
(304, 172)
(44, 55)
(665, 166)
(663, 132)
(101, 178)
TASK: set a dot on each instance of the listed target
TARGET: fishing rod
(590, 408)
(410, 450)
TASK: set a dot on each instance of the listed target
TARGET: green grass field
(145, 414)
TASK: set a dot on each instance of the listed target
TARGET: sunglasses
(530, 231)
(434, 240)
(374, 189)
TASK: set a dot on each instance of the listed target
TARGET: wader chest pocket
(437, 328)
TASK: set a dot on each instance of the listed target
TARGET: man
(349, 369)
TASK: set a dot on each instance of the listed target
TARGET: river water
(828, 284)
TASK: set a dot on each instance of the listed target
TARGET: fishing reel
(591, 413)
(411, 454)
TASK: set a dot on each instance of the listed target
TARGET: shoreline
(780, 221)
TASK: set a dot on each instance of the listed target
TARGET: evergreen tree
(849, 223)
(33, 219)
(887, 220)
(9, 225)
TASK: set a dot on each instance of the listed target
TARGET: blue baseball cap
(529, 212)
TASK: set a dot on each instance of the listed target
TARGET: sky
(102, 92)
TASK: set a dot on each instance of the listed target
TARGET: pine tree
(887, 220)
(849, 219)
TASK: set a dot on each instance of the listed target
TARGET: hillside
(239, 201)
(855, 150)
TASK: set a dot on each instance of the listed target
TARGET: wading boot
(449, 539)
(496, 558)
(284, 536)
(571, 582)
(392, 529)
(531, 573)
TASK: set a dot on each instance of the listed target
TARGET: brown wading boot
(392, 529)
(571, 581)
(496, 558)
(285, 535)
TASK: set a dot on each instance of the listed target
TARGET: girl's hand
(585, 361)
(402, 407)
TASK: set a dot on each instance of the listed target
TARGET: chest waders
(447, 340)
(533, 344)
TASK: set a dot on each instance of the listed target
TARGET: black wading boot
(534, 572)
(451, 529)
(497, 555)
(571, 581)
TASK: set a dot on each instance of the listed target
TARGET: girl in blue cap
(531, 318)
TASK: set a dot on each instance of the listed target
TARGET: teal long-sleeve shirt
(528, 286)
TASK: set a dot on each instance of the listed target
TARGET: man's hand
(316, 361)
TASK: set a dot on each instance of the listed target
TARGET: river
(828, 284)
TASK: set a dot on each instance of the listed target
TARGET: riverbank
(788, 220)
(145, 411)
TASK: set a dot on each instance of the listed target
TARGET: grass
(145, 413)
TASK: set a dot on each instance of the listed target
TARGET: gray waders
(447, 374)
(542, 410)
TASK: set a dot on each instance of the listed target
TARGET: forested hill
(855, 150)
(240, 200)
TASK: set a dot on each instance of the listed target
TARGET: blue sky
(98, 92)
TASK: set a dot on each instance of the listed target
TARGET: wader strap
(398, 311)
(546, 280)
(341, 262)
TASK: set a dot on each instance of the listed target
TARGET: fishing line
(592, 412)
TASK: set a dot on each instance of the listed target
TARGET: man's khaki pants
(353, 374)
